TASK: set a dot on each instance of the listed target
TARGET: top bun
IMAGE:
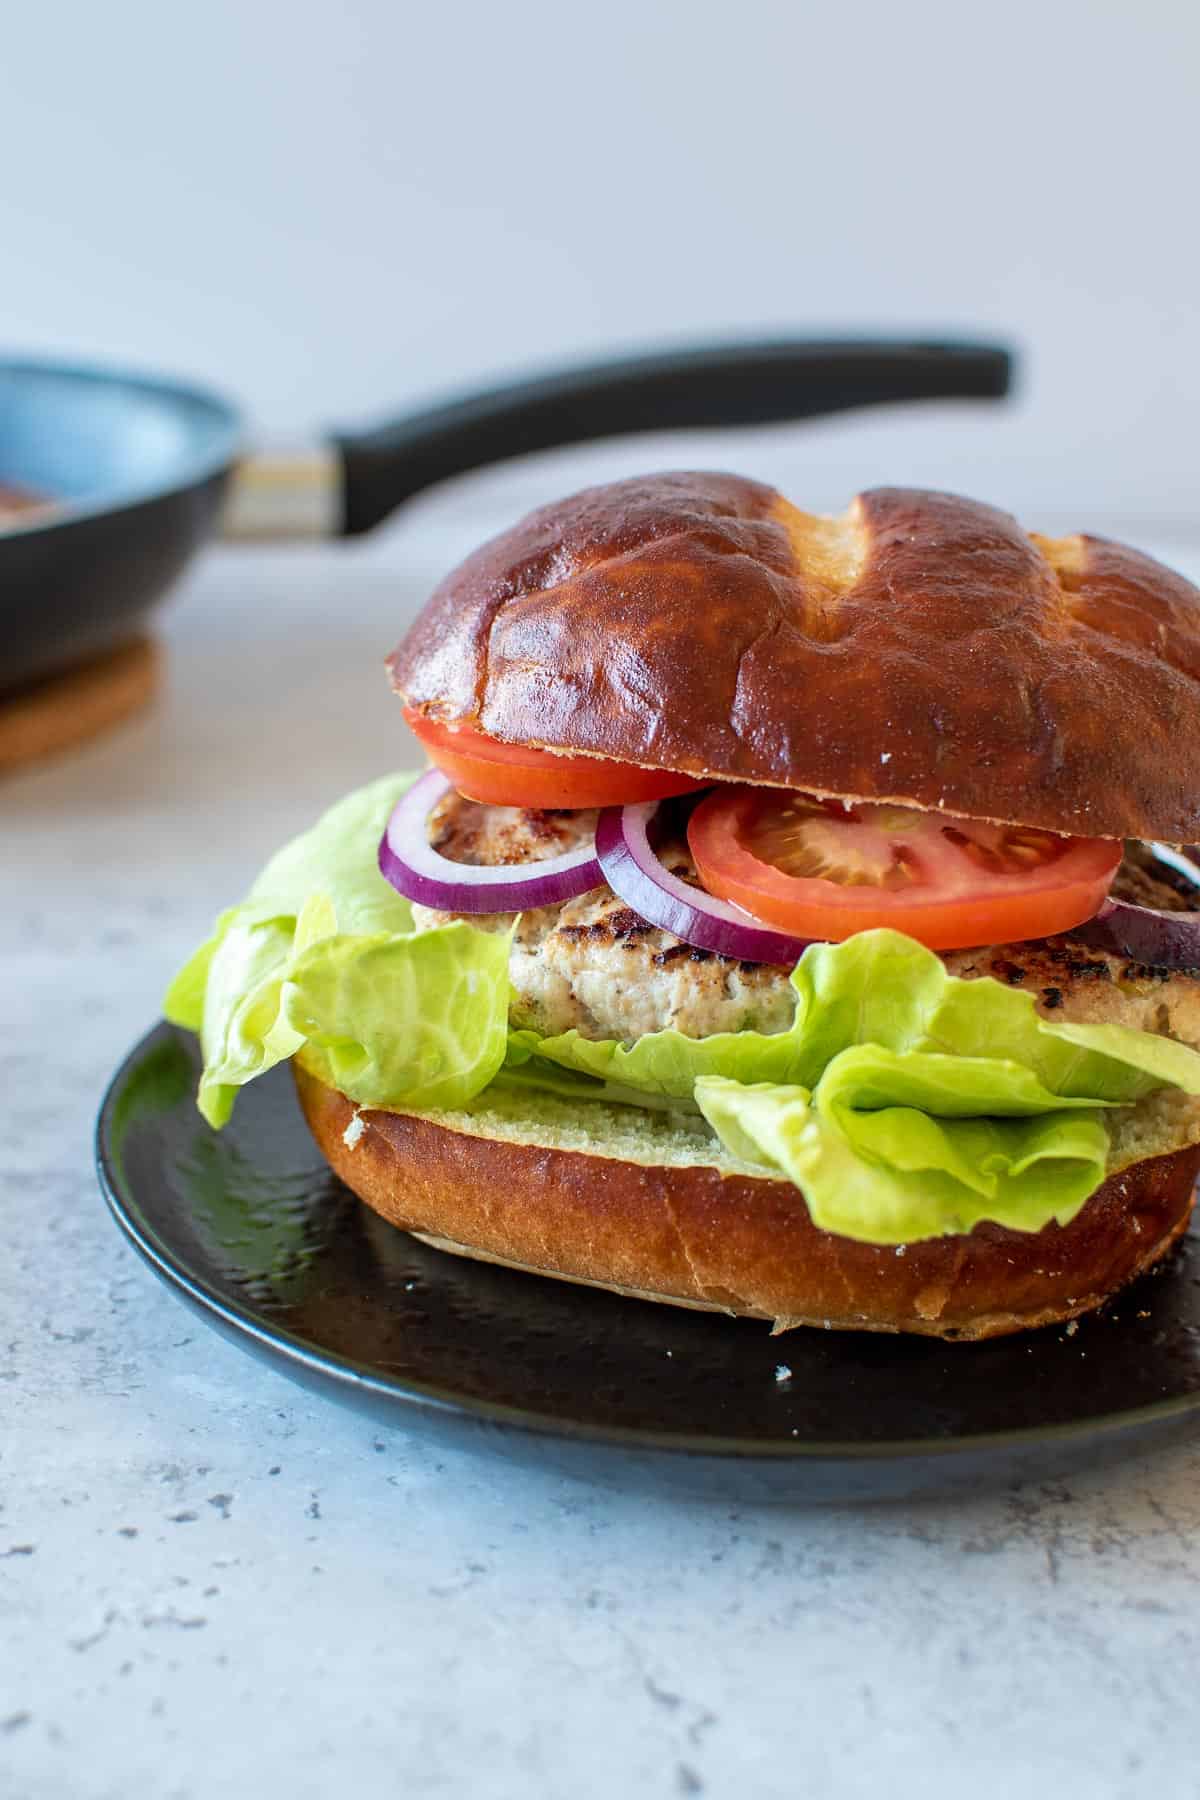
(922, 648)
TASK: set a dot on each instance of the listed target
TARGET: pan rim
(224, 429)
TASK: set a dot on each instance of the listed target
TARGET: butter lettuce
(874, 1164)
(884, 989)
(662, 1067)
(906, 1103)
(322, 961)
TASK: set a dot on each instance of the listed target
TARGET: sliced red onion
(636, 875)
(1161, 940)
(415, 869)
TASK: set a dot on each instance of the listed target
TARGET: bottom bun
(647, 1207)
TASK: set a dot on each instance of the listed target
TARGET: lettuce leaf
(418, 1020)
(897, 1174)
(664, 1064)
(336, 856)
(885, 989)
(522, 1069)
(321, 960)
(905, 1102)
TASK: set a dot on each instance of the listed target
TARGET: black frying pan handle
(733, 384)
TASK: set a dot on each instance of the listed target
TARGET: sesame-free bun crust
(921, 648)
(694, 1234)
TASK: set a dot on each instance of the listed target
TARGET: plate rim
(285, 1347)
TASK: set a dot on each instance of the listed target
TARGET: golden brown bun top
(921, 648)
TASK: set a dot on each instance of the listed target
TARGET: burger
(795, 919)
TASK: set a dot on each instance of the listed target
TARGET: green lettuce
(885, 989)
(894, 1148)
(880, 988)
(321, 960)
(905, 1102)
(662, 1067)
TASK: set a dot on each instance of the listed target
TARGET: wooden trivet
(66, 710)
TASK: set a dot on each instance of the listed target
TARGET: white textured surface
(213, 1585)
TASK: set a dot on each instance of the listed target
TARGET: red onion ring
(415, 869)
(635, 875)
(623, 855)
(1146, 934)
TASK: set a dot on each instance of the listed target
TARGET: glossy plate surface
(250, 1227)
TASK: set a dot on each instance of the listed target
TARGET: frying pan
(145, 470)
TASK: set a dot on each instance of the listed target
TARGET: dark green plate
(251, 1228)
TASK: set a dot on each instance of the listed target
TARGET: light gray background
(333, 209)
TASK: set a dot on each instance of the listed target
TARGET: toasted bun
(921, 648)
(672, 1218)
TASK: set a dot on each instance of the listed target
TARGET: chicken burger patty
(594, 966)
(591, 964)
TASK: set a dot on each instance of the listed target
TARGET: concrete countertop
(212, 1584)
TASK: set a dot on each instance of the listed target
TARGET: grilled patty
(593, 965)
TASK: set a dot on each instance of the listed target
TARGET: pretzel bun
(664, 1219)
(921, 648)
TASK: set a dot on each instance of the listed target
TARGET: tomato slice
(828, 868)
(499, 774)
